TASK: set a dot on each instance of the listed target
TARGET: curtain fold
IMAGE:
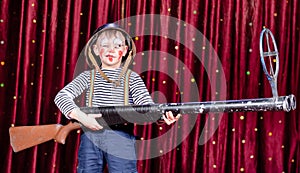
(40, 49)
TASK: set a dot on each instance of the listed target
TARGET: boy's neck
(110, 68)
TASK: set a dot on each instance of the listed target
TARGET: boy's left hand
(169, 117)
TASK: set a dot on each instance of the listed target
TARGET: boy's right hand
(88, 121)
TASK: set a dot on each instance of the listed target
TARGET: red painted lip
(110, 56)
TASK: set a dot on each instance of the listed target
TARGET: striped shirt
(105, 93)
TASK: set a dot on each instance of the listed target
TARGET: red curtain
(40, 42)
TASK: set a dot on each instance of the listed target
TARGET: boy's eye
(105, 45)
(117, 46)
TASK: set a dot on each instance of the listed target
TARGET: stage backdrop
(40, 42)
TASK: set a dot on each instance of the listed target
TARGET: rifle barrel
(112, 115)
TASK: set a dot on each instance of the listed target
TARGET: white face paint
(118, 41)
(104, 41)
(110, 50)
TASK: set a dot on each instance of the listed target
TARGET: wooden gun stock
(24, 137)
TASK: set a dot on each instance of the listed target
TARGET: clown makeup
(110, 47)
(117, 43)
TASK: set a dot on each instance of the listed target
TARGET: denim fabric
(116, 148)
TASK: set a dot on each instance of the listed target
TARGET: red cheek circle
(120, 54)
(101, 51)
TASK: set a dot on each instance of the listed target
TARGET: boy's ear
(96, 50)
(126, 50)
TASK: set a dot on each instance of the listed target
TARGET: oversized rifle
(23, 137)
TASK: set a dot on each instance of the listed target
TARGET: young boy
(109, 52)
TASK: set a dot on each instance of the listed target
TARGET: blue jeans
(114, 148)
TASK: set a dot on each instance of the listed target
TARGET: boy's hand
(169, 117)
(88, 121)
